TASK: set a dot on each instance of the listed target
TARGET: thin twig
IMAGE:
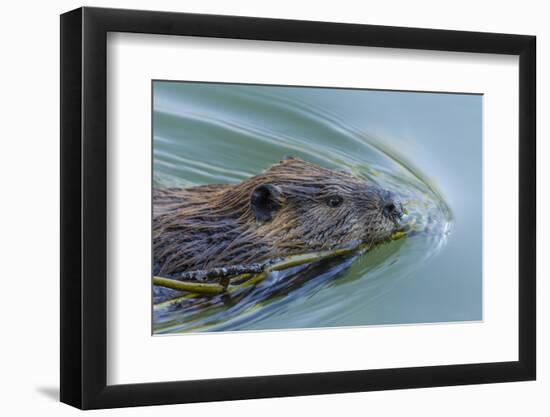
(196, 287)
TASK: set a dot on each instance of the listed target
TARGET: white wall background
(29, 168)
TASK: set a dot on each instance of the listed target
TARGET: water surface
(426, 147)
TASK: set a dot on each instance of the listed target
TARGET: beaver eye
(334, 201)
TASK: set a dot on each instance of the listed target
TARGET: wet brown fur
(216, 225)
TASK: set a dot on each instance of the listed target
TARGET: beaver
(293, 207)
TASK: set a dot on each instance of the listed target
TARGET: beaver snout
(392, 207)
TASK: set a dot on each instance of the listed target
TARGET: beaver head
(293, 207)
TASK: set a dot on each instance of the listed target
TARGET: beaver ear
(265, 200)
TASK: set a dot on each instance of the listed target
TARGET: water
(426, 147)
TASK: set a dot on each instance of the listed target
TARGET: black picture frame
(84, 207)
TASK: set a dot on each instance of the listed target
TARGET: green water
(426, 147)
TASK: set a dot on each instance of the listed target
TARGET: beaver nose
(392, 207)
(393, 210)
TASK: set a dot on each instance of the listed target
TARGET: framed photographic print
(258, 207)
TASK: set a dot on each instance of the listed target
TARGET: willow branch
(195, 287)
